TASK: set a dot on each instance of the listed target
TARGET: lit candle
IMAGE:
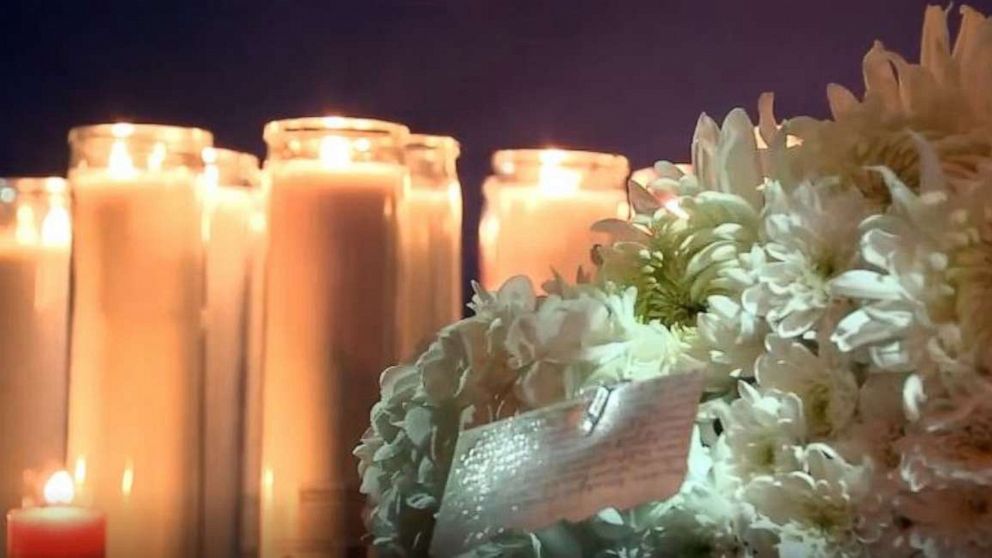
(540, 206)
(231, 199)
(430, 222)
(58, 529)
(35, 234)
(330, 318)
(137, 331)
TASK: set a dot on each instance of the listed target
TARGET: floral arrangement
(836, 287)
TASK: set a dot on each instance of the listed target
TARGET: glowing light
(333, 122)
(157, 156)
(80, 472)
(489, 230)
(335, 151)
(55, 185)
(119, 163)
(268, 483)
(127, 479)
(56, 228)
(59, 489)
(553, 179)
(256, 222)
(26, 232)
(623, 210)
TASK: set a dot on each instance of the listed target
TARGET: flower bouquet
(836, 289)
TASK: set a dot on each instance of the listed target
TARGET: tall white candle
(231, 199)
(330, 319)
(430, 221)
(137, 332)
(34, 286)
(540, 205)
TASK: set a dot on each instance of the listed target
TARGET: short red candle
(59, 530)
(56, 532)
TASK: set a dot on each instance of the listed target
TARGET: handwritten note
(555, 463)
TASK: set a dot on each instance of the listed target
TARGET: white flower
(933, 251)
(944, 99)
(816, 506)
(810, 237)
(824, 382)
(950, 521)
(729, 339)
(764, 432)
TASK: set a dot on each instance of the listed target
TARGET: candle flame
(127, 479)
(59, 489)
(26, 232)
(119, 163)
(335, 151)
(56, 228)
(553, 179)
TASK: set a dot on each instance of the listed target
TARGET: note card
(618, 448)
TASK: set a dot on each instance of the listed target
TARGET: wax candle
(540, 205)
(35, 234)
(430, 242)
(58, 529)
(230, 198)
(137, 332)
(330, 319)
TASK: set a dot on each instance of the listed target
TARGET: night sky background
(626, 76)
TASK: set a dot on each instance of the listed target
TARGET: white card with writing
(616, 448)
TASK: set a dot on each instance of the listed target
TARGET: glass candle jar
(430, 231)
(334, 185)
(137, 332)
(231, 200)
(539, 207)
(35, 237)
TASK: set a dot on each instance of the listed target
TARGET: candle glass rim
(197, 138)
(323, 124)
(569, 157)
(35, 185)
(434, 141)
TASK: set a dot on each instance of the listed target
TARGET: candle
(540, 205)
(430, 221)
(330, 314)
(230, 201)
(35, 235)
(57, 530)
(137, 341)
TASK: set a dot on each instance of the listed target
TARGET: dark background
(628, 76)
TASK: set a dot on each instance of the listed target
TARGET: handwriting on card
(562, 462)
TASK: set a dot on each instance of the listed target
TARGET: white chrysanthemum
(945, 99)
(585, 335)
(935, 280)
(827, 387)
(810, 237)
(729, 339)
(764, 432)
(817, 507)
(950, 521)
